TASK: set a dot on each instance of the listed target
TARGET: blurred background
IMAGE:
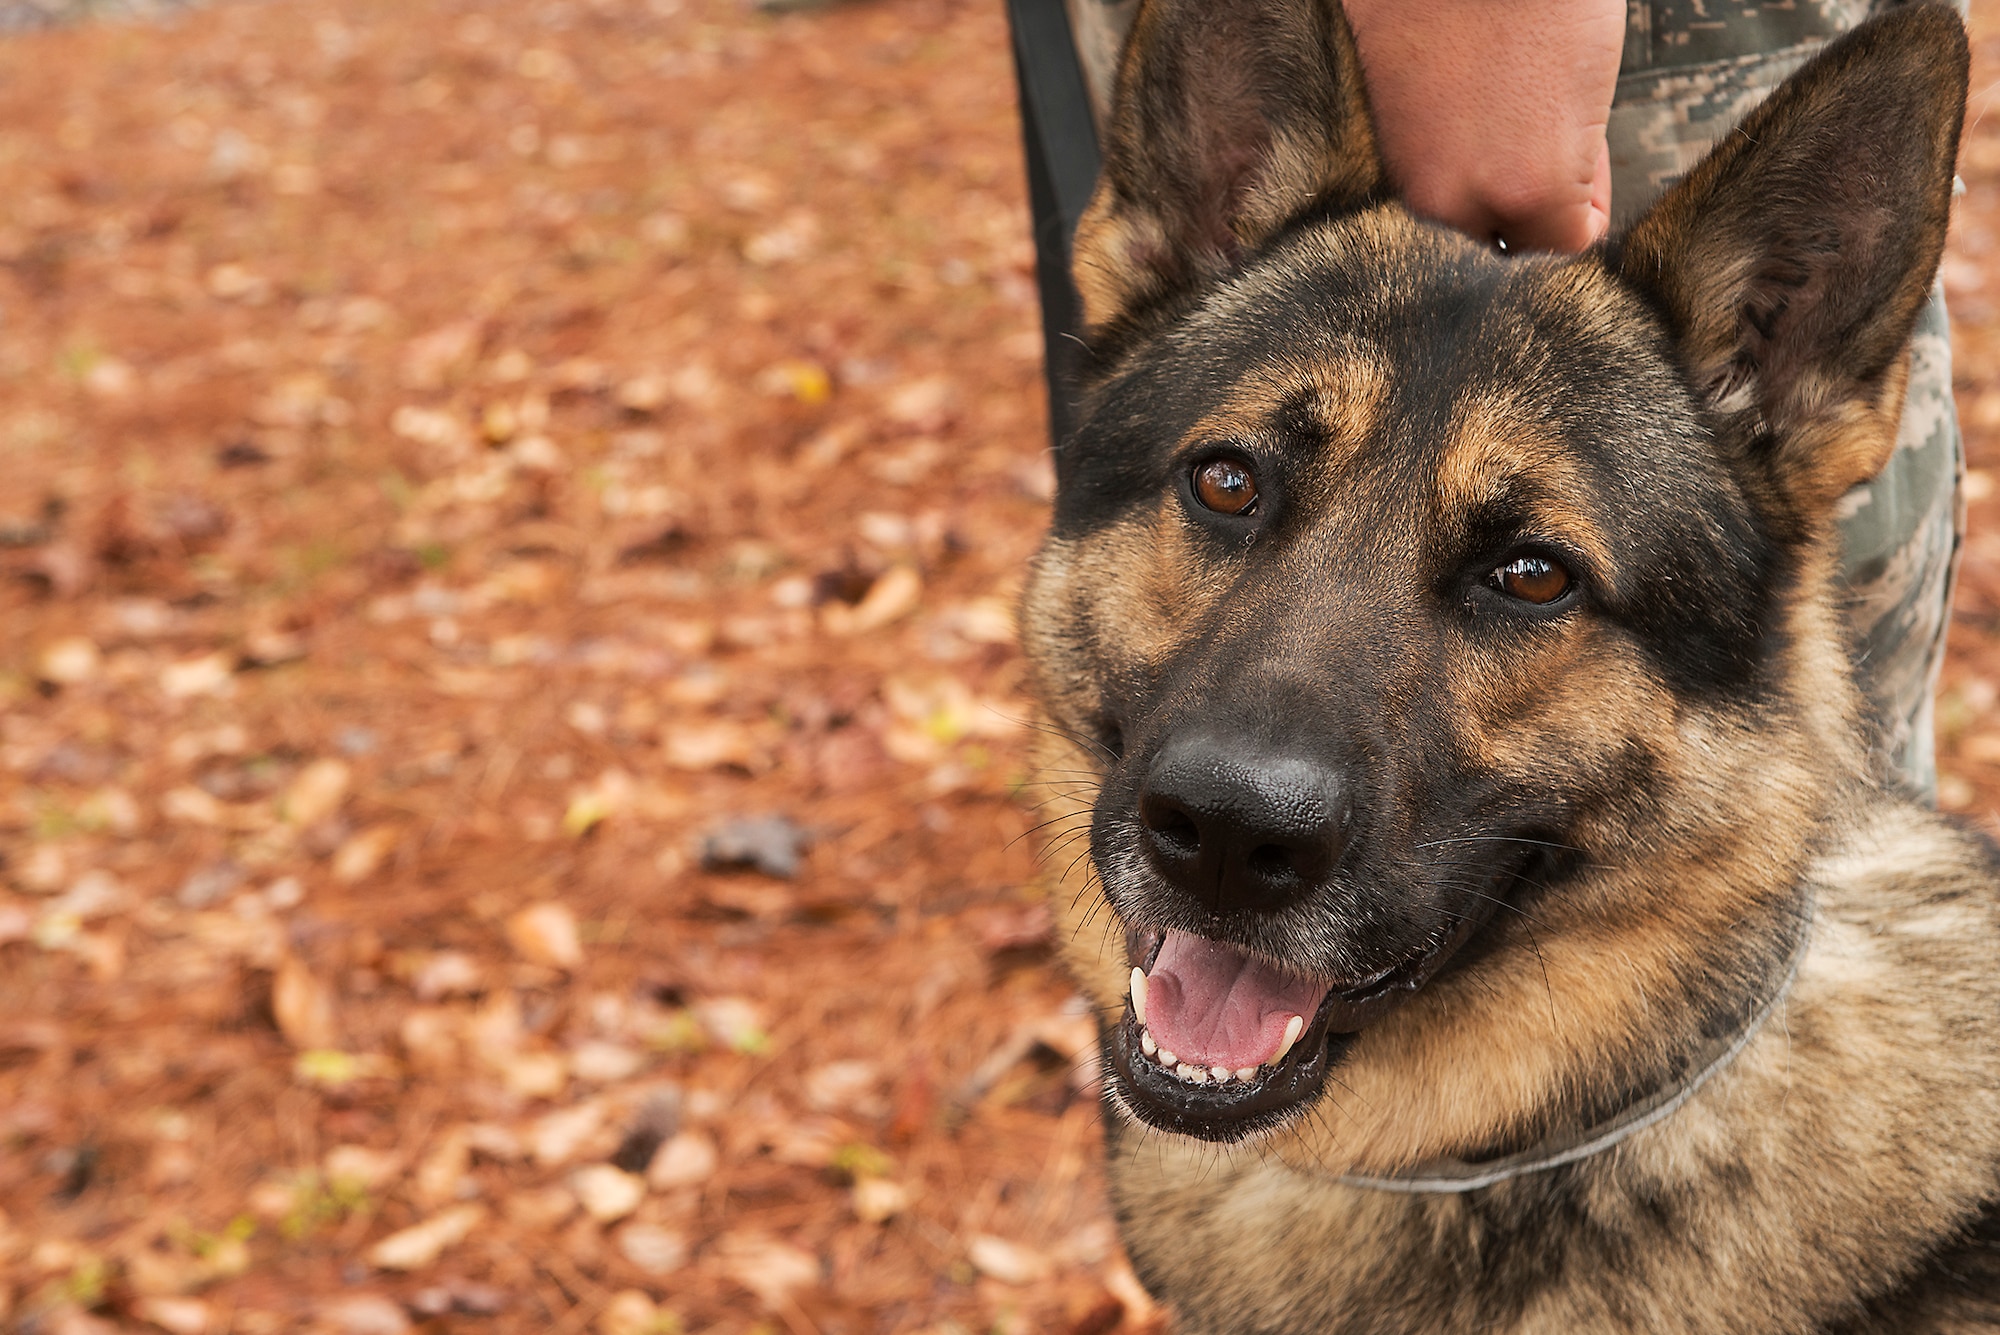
(514, 777)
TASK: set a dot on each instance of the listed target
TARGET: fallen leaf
(630, 1312)
(443, 1168)
(603, 1063)
(698, 745)
(1008, 1262)
(770, 1268)
(110, 808)
(163, 1274)
(538, 1210)
(771, 844)
(429, 360)
(303, 1007)
(330, 1068)
(360, 855)
(191, 806)
(210, 674)
(644, 393)
(807, 382)
(877, 1199)
(585, 812)
(735, 1022)
(273, 648)
(360, 1168)
(419, 1245)
(69, 662)
(315, 793)
(852, 1086)
(176, 1316)
(683, 1160)
(655, 1250)
(448, 973)
(607, 1193)
(273, 1199)
(455, 1295)
(430, 1037)
(1019, 926)
(209, 884)
(546, 933)
(922, 405)
(898, 592)
(363, 1314)
(536, 1075)
(494, 1141)
(236, 282)
(814, 1142)
(1123, 1285)
(985, 621)
(556, 1138)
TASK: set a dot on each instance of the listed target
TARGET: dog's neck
(1830, 1149)
(1454, 1176)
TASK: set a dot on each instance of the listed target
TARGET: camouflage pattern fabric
(1690, 70)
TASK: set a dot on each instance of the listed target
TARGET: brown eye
(1532, 579)
(1225, 486)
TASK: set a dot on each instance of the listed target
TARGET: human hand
(1491, 113)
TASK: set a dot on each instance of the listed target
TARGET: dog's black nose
(1241, 827)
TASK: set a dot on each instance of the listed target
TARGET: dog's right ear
(1231, 117)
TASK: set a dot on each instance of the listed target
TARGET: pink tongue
(1218, 1005)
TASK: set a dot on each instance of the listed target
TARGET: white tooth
(1221, 1074)
(1194, 1075)
(1293, 1028)
(1246, 1073)
(1168, 1060)
(1146, 1043)
(1139, 994)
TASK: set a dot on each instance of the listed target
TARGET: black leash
(1060, 139)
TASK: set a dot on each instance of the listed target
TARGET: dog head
(1446, 636)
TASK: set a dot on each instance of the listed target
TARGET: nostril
(1273, 862)
(1174, 831)
(1179, 835)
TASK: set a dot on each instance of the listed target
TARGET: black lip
(1229, 1112)
(1223, 1113)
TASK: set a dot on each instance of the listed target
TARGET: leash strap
(1059, 135)
(1452, 1176)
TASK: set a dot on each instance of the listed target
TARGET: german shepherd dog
(1496, 910)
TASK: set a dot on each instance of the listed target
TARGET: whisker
(1055, 729)
(1498, 839)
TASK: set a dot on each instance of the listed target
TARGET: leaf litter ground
(513, 766)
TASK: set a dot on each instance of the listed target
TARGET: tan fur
(1819, 1183)
(1491, 451)
(1863, 1053)
(1342, 382)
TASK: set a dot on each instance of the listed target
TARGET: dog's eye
(1532, 579)
(1225, 486)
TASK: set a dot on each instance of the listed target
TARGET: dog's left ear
(1792, 262)
(1231, 118)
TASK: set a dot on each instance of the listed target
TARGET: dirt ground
(513, 772)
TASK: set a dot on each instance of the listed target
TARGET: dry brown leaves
(483, 483)
(512, 769)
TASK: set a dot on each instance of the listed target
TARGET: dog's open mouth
(1218, 1043)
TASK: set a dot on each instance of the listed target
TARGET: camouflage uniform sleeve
(1690, 70)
